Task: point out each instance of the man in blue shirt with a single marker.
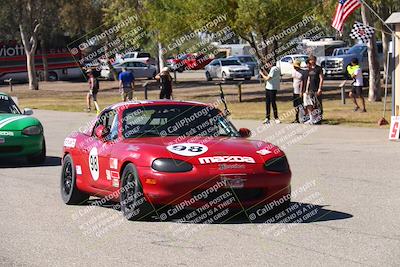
(126, 84)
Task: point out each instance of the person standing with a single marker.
(126, 84)
(315, 83)
(356, 73)
(297, 88)
(165, 83)
(93, 90)
(273, 79)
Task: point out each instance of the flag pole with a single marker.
(377, 15)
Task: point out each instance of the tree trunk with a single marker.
(384, 11)
(45, 63)
(30, 50)
(160, 57)
(30, 64)
(374, 93)
(110, 66)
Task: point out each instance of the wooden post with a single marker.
(239, 85)
(9, 81)
(343, 92)
(145, 85)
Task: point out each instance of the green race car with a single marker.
(20, 135)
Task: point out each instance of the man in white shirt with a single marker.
(272, 85)
(356, 74)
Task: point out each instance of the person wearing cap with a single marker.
(297, 88)
(93, 90)
(126, 84)
(165, 83)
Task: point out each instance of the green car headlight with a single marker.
(32, 130)
(171, 165)
(277, 165)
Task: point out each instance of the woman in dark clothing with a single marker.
(166, 83)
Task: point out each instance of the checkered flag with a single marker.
(361, 32)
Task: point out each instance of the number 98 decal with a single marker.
(187, 149)
(94, 163)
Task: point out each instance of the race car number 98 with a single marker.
(94, 163)
(187, 149)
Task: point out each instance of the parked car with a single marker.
(247, 60)
(337, 65)
(286, 63)
(183, 62)
(227, 69)
(139, 69)
(139, 56)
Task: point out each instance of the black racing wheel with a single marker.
(134, 205)
(70, 194)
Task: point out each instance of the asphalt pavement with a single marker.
(346, 182)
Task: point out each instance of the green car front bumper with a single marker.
(14, 144)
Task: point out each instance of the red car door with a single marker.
(96, 159)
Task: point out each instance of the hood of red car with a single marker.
(203, 150)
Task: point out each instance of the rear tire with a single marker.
(208, 76)
(70, 194)
(39, 158)
(53, 76)
(134, 205)
(247, 78)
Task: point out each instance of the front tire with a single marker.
(223, 75)
(70, 194)
(134, 205)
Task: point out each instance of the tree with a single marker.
(29, 20)
(374, 93)
(384, 8)
(28, 24)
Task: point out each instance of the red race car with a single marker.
(184, 62)
(169, 156)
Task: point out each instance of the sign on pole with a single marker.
(394, 128)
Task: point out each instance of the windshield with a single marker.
(230, 62)
(301, 58)
(7, 105)
(358, 49)
(176, 120)
(247, 59)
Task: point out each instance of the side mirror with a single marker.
(244, 132)
(28, 111)
(101, 132)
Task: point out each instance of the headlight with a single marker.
(32, 130)
(171, 165)
(277, 165)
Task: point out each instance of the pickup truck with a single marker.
(139, 56)
(336, 65)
